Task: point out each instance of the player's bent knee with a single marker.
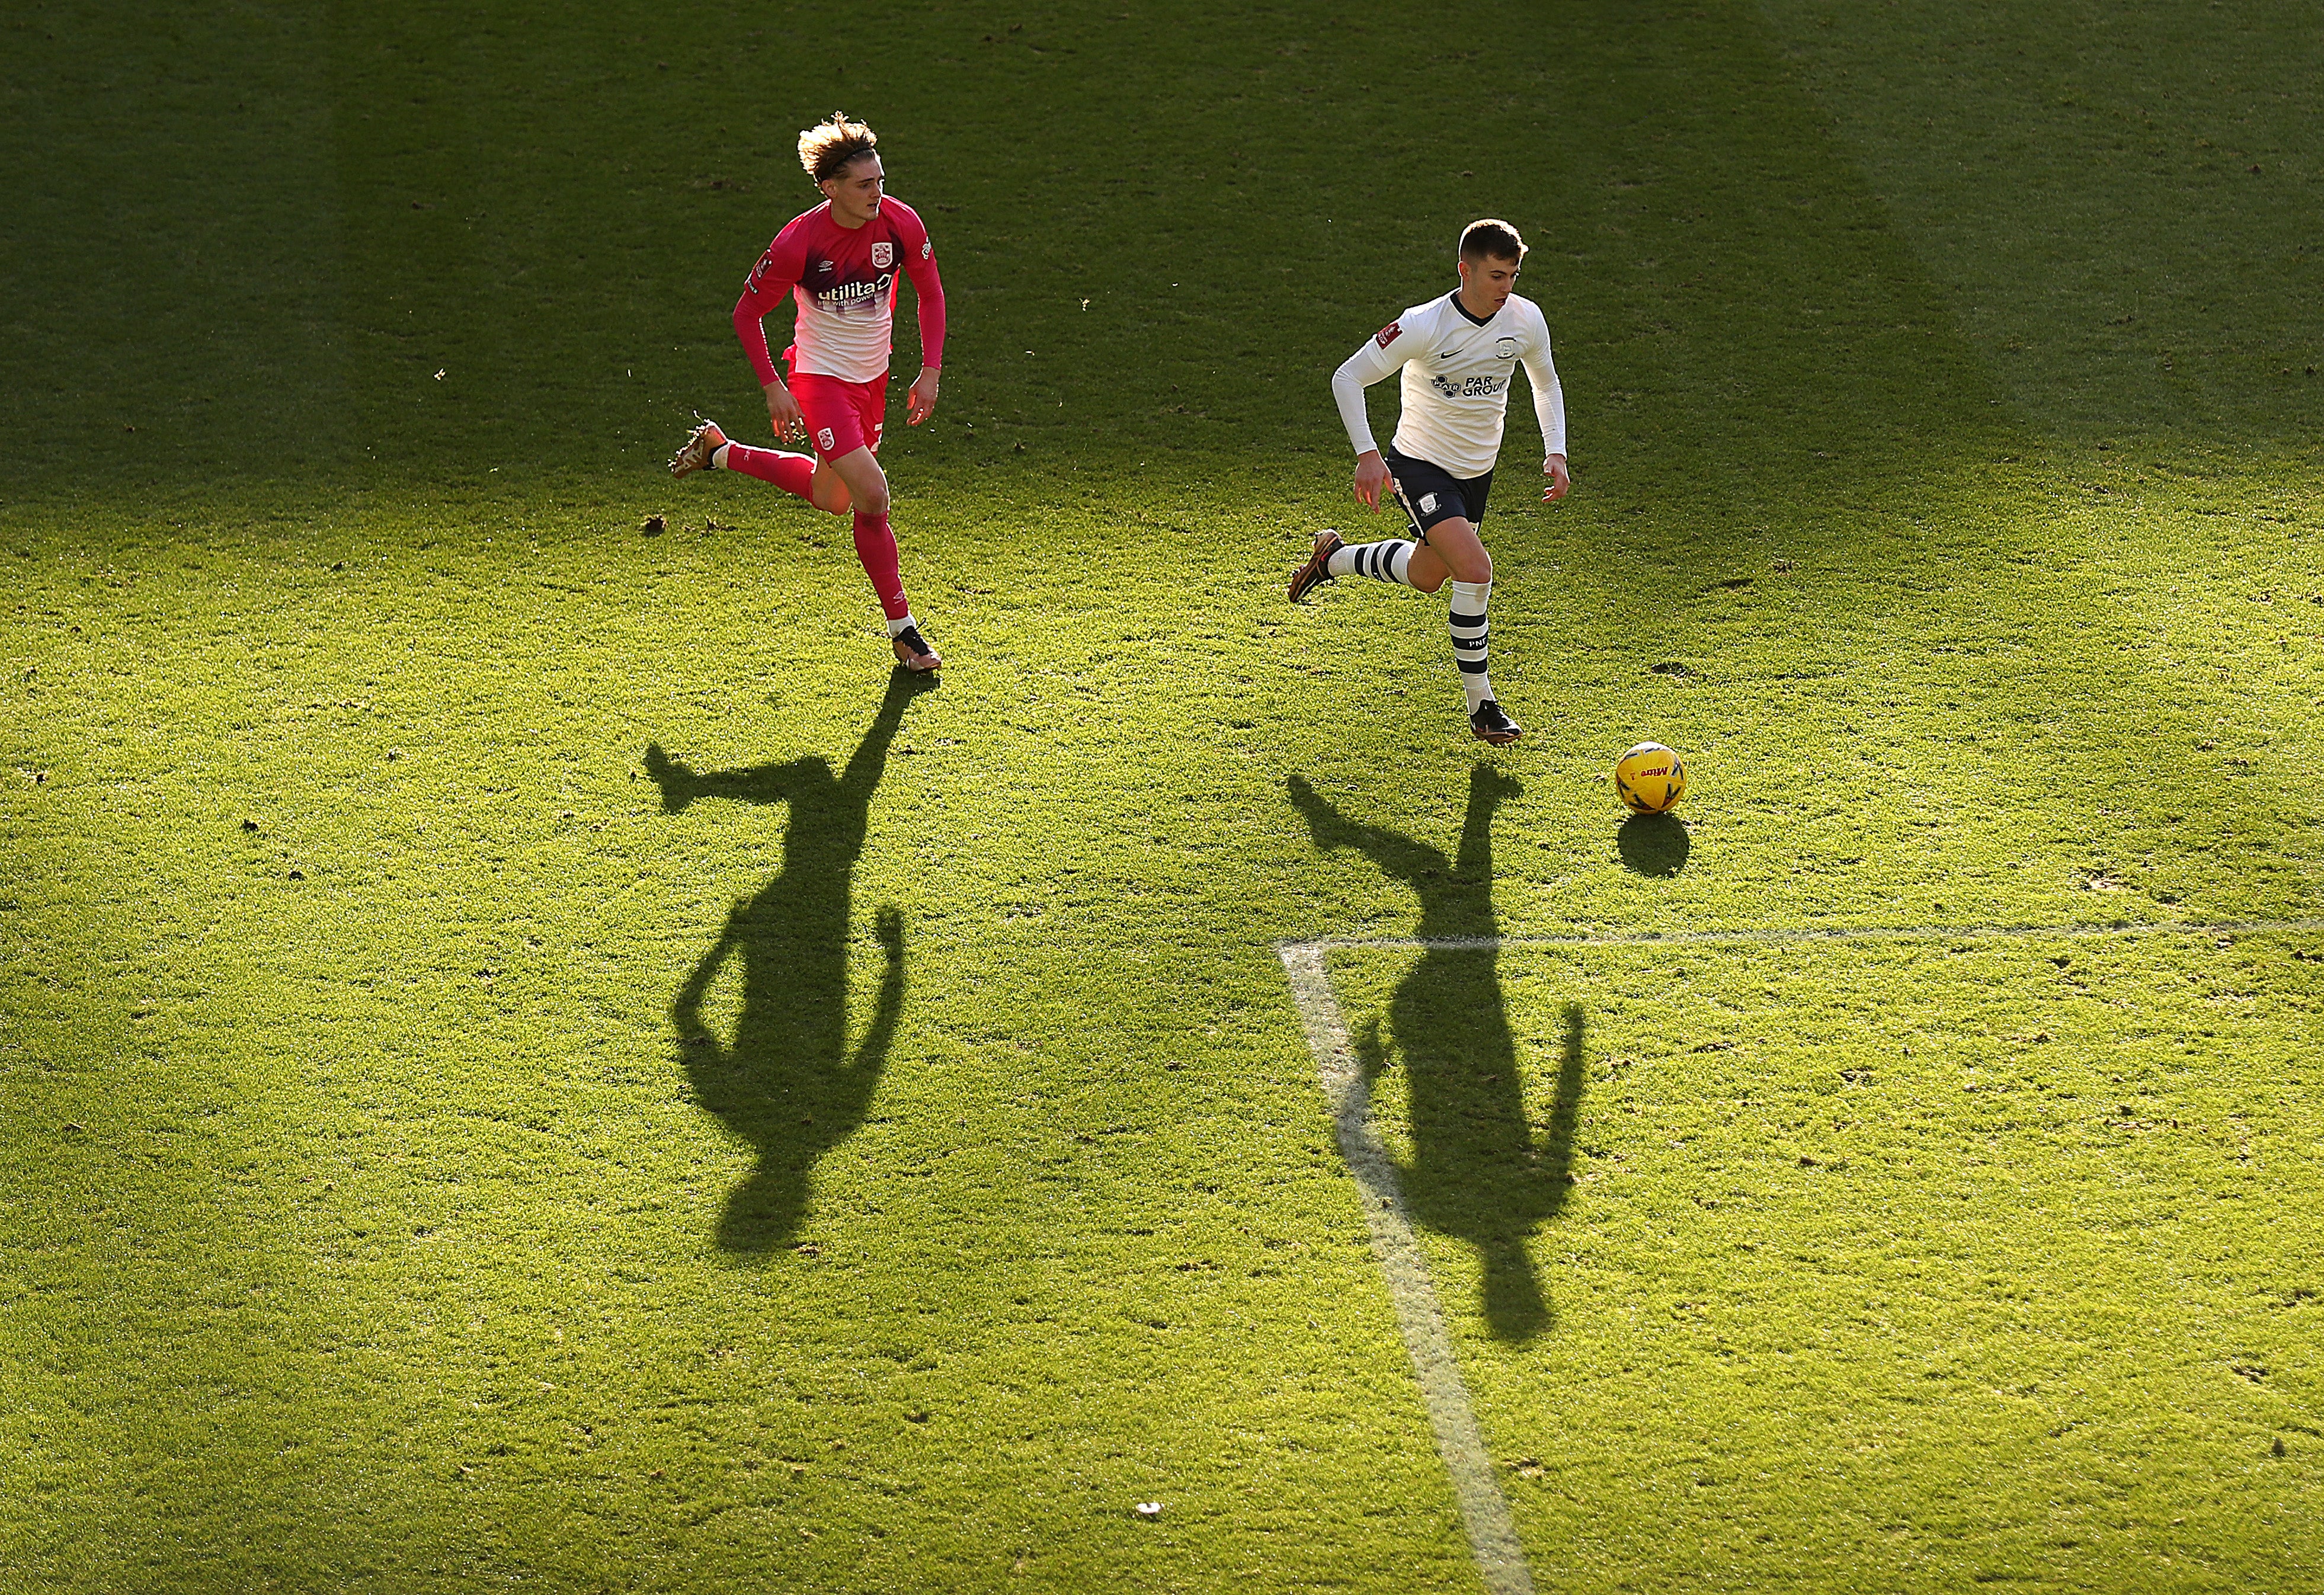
(826, 491)
(1470, 564)
(866, 483)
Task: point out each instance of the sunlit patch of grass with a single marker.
(385, 1212)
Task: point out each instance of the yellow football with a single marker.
(1649, 779)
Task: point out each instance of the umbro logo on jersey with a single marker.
(883, 254)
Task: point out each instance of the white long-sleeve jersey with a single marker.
(1457, 371)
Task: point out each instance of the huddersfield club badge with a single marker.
(883, 254)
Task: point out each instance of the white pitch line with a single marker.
(1795, 936)
(1484, 1510)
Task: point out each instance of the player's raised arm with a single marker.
(1549, 408)
(1376, 358)
(771, 283)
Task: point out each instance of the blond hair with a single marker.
(828, 148)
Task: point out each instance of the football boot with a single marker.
(1318, 568)
(706, 441)
(913, 652)
(1491, 724)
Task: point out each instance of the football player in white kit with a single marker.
(1459, 355)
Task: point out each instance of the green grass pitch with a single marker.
(526, 1060)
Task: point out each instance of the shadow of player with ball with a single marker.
(1478, 1171)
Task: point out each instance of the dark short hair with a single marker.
(1491, 238)
(829, 148)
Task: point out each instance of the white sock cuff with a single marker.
(1471, 597)
(896, 627)
(718, 457)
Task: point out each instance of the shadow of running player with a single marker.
(1477, 1172)
(785, 1080)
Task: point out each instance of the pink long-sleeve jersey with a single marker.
(845, 280)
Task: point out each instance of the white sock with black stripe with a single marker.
(1384, 561)
(1469, 631)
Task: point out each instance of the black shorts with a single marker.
(1435, 494)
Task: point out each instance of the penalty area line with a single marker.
(1484, 1509)
(1791, 935)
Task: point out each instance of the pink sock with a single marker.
(793, 473)
(875, 546)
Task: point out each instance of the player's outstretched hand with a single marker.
(1561, 480)
(783, 412)
(1371, 477)
(921, 403)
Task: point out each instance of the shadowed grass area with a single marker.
(388, 1032)
(557, 217)
(2119, 204)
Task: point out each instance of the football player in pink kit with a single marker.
(843, 261)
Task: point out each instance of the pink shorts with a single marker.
(842, 417)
